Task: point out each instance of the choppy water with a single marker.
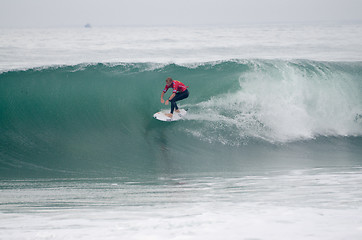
(318, 203)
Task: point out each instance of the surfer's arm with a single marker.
(162, 94)
(172, 96)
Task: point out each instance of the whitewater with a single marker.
(270, 149)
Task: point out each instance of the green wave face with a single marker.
(97, 119)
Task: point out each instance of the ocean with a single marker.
(271, 147)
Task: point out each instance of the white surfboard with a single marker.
(176, 115)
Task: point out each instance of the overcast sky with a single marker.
(58, 13)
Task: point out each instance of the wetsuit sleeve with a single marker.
(166, 88)
(175, 87)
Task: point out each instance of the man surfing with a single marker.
(179, 92)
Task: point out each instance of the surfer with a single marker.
(179, 92)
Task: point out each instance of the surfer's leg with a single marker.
(173, 105)
(178, 97)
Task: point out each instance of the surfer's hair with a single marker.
(168, 79)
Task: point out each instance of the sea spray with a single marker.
(281, 101)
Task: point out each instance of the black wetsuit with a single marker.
(179, 96)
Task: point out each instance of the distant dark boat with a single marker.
(87, 25)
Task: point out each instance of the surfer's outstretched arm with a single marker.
(162, 94)
(172, 96)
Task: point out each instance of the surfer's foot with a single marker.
(169, 115)
(178, 110)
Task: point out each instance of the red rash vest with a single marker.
(177, 87)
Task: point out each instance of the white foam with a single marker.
(316, 204)
(285, 103)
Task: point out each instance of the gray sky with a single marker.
(58, 13)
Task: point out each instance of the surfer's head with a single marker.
(169, 81)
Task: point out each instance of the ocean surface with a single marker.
(271, 147)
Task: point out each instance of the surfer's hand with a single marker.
(166, 102)
(162, 101)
